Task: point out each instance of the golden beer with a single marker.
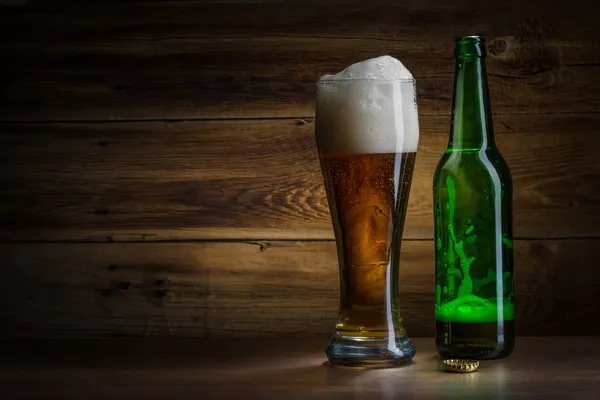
(369, 195)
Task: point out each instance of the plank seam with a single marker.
(239, 119)
(258, 242)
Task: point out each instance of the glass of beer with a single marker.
(367, 135)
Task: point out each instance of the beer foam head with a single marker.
(369, 107)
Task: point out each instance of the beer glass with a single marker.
(367, 135)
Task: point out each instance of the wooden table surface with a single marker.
(549, 368)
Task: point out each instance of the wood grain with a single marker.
(260, 179)
(174, 60)
(255, 289)
(285, 368)
(72, 170)
(12, 3)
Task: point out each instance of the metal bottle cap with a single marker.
(455, 365)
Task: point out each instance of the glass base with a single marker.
(370, 352)
(475, 340)
(479, 353)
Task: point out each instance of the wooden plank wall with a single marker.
(158, 172)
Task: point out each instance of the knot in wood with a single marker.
(497, 47)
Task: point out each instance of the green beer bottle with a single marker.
(472, 199)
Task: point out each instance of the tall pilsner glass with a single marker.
(367, 136)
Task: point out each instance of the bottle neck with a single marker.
(471, 127)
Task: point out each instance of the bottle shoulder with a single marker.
(473, 165)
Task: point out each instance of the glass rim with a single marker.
(346, 80)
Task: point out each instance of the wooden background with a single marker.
(158, 172)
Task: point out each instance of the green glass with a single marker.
(472, 196)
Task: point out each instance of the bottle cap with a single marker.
(456, 365)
